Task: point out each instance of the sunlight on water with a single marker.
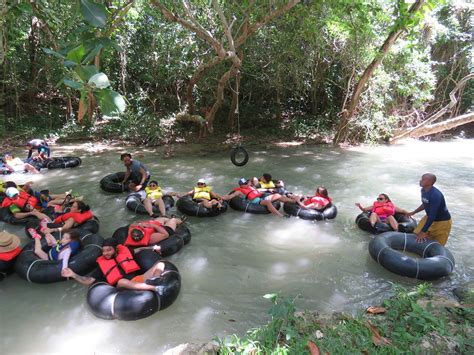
(236, 258)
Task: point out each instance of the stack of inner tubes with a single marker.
(242, 204)
(113, 182)
(109, 302)
(169, 246)
(190, 207)
(134, 203)
(310, 214)
(63, 162)
(435, 260)
(405, 224)
(33, 269)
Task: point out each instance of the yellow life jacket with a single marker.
(202, 192)
(267, 185)
(2, 186)
(154, 194)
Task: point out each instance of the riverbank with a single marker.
(413, 321)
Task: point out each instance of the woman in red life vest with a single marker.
(79, 213)
(382, 210)
(143, 235)
(320, 201)
(118, 268)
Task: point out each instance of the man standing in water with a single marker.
(436, 224)
(136, 171)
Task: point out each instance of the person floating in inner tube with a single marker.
(118, 268)
(136, 172)
(203, 195)
(41, 146)
(18, 165)
(9, 246)
(319, 202)
(63, 249)
(381, 211)
(436, 224)
(78, 214)
(249, 192)
(22, 204)
(154, 196)
(145, 234)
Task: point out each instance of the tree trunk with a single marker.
(33, 44)
(441, 127)
(3, 52)
(349, 111)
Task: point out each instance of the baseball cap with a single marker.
(243, 181)
(201, 181)
(11, 191)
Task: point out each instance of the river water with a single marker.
(236, 258)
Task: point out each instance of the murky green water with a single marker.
(234, 259)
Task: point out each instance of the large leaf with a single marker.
(92, 53)
(85, 72)
(75, 55)
(53, 53)
(73, 84)
(94, 14)
(99, 80)
(111, 102)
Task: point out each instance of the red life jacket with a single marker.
(21, 200)
(78, 217)
(319, 199)
(114, 269)
(383, 209)
(249, 192)
(147, 232)
(10, 255)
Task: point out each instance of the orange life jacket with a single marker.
(10, 255)
(21, 200)
(114, 269)
(383, 209)
(249, 192)
(147, 232)
(78, 217)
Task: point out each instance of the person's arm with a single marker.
(190, 193)
(66, 226)
(142, 181)
(85, 280)
(419, 209)
(214, 195)
(364, 209)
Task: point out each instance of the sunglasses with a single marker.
(380, 198)
(152, 185)
(201, 183)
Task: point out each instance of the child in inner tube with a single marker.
(381, 211)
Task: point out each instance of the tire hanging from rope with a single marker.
(238, 155)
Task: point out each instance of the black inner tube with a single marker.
(239, 156)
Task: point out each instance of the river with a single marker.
(235, 259)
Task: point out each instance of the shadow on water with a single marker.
(234, 259)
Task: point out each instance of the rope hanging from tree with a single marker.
(238, 155)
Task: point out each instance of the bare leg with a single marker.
(148, 206)
(374, 218)
(161, 206)
(38, 251)
(271, 208)
(393, 223)
(31, 168)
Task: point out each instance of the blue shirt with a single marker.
(135, 167)
(435, 207)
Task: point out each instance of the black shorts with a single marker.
(169, 230)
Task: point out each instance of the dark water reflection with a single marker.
(235, 259)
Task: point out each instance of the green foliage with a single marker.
(399, 330)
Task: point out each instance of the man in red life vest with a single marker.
(118, 268)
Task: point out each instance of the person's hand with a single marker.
(421, 237)
(138, 187)
(358, 204)
(67, 272)
(409, 214)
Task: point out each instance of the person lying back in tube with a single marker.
(203, 195)
(78, 214)
(249, 192)
(145, 234)
(22, 204)
(118, 268)
(63, 249)
(319, 202)
(382, 211)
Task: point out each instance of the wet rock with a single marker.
(433, 343)
(438, 302)
(193, 349)
(465, 292)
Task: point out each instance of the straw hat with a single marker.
(8, 242)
